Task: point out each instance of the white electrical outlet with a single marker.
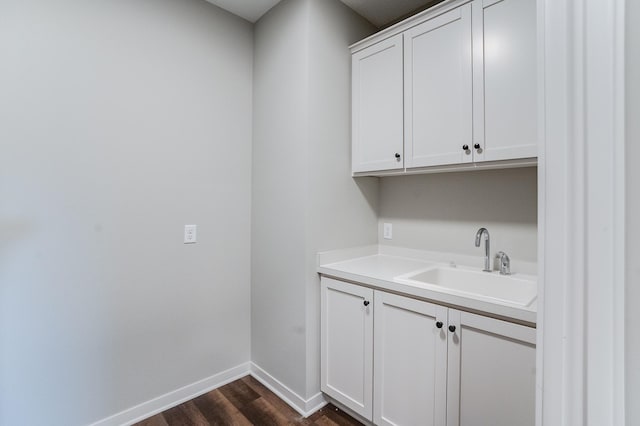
(387, 231)
(190, 234)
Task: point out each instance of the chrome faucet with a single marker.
(504, 262)
(487, 258)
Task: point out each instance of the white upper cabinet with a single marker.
(438, 90)
(505, 79)
(377, 119)
(462, 76)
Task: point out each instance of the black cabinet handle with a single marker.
(465, 147)
(452, 328)
(477, 146)
(439, 324)
(366, 303)
(397, 156)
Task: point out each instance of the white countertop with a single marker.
(380, 266)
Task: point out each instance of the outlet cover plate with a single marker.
(387, 231)
(190, 234)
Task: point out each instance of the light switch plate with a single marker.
(387, 231)
(190, 234)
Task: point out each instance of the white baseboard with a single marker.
(176, 397)
(305, 407)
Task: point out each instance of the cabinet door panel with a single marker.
(410, 362)
(491, 378)
(505, 79)
(438, 90)
(347, 344)
(377, 116)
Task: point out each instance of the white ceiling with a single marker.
(251, 10)
(382, 12)
(378, 12)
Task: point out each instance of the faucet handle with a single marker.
(505, 263)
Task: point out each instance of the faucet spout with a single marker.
(487, 258)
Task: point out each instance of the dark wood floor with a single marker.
(244, 402)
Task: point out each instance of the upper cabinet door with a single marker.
(377, 107)
(438, 90)
(505, 79)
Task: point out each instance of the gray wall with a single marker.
(304, 199)
(120, 122)
(633, 213)
(341, 210)
(442, 212)
(278, 200)
(111, 141)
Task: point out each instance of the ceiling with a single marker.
(378, 12)
(251, 10)
(383, 12)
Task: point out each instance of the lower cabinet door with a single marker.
(491, 377)
(410, 361)
(347, 344)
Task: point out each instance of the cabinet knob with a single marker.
(397, 156)
(452, 328)
(366, 303)
(465, 147)
(477, 146)
(439, 324)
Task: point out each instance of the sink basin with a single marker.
(492, 286)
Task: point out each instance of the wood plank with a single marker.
(157, 420)
(338, 416)
(191, 411)
(175, 416)
(218, 410)
(324, 421)
(260, 412)
(244, 402)
(239, 393)
(273, 399)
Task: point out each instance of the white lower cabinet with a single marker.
(347, 345)
(491, 380)
(395, 360)
(410, 362)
